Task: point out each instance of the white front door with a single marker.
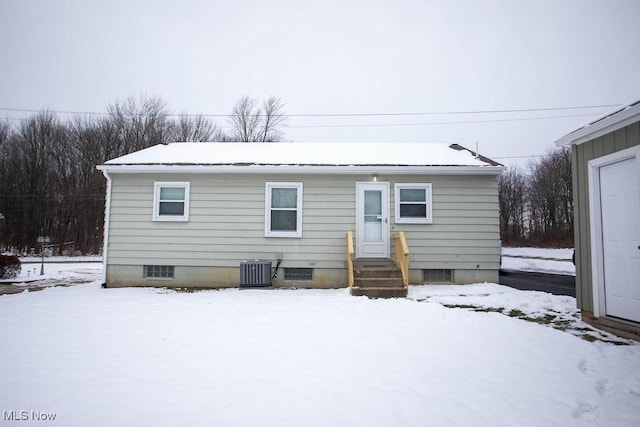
(372, 222)
(620, 207)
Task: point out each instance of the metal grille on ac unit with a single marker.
(255, 273)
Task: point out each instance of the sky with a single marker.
(335, 57)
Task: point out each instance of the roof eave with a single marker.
(298, 169)
(602, 127)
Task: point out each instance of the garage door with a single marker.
(620, 207)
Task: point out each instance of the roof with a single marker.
(296, 157)
(606, 124)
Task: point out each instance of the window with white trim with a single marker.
(413, 203)
(283, 209)
(171, 201)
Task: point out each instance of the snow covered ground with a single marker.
(447, 355)
(540, 260)
(60, 268)
(58, 271)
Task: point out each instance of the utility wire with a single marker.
(431, 113)
(404, 124)
(438, 123)
(435, 113)
(521, 157)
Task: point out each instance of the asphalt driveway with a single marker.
(557, 284)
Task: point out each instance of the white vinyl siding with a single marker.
(283, 209)
(171, 201)
(227, 222)
(413, 203)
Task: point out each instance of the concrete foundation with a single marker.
(229, 277)
(620, 327)
(460, 277)
(215, 277)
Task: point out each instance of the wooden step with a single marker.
(377, 272)
(378, 282)
(382, 292)
(378, 279)
(373, 262)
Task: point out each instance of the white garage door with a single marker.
(620, 206)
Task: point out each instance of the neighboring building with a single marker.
(188, 214)
(606, 188)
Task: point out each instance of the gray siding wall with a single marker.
(619, 140)
(465, 233)
(226, 223)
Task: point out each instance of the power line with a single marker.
(30, 110)
(435, 113)
(515, 119)
(522, 157)
(387, 114)
(440, 123)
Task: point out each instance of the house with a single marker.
(606, 188)
(193, 214)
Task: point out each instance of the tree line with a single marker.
(49, 185)
(536, 203)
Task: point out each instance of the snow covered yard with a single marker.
(232, 357)
(539, 260)
(58, 271)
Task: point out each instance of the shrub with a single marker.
(10, 266)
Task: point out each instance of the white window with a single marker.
(171, 201)
(413, 203)
(283, 209)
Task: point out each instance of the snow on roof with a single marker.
(605, 124)
(298, 153)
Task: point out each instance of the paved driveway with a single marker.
(557, 284)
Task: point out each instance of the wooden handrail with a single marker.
(350, 258)
(402, 256)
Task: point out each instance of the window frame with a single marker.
(269, 186)
(428, 189)
(157, 188)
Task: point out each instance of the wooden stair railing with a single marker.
(350, 259)
(402, 256)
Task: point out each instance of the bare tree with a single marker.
(257, 124)
(195, 129)
(36, 173)
(551, 199)
(140, 122)
(513, 204)
(88, 143)
(536, 206)
(7, 183)
(272, 118)
(5, 137)
(49, 183)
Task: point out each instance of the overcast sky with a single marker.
(335, 56)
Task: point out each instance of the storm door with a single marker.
(372, 222)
